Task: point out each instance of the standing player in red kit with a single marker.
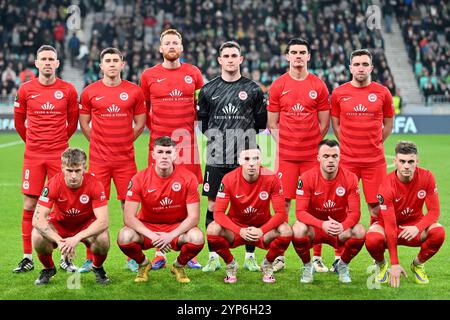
(249, 190)
(111, 105)
(328, 211)
(298, 118)
(49, 106)
(169, 213)
(362, 118)
(80, 214)
(401, 221)
(171, 90)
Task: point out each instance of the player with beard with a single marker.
(170, 91)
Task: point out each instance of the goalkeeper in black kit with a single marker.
(232, 110)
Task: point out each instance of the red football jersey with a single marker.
(401, 204)
(170, 96)
(163, 200)
(298, 102)
(72, 207)
(250, 202)
(112, 110)
(361, 112)
(46, 109)
(319, 198)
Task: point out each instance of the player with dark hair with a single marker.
(298, 117)
(49, 106)
(249, 190)
(110, 107)
(232, 110)
(401, 220)
(327, 210)
(362, 110)
(71, 209)
(171, 90)
(169, 213)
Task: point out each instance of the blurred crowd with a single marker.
(262, 27)
(426, 29)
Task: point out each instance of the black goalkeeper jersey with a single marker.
(231, 114)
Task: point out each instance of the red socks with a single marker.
(188, 251)
(302, 246)
(132, 250)
(221, 246)
(98, 260)
(46, 260)
(277, 247)
(351, 249)
(27, 227)
(375, 245)
(89, 254)
(432, 243)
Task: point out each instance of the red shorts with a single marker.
(120, 174)
(34, 172)
(321, 236)
(371, 177)
(66, 231)
(415, 242)
(289, 172)
(161, 227)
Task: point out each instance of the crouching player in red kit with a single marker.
(249, 189)
(80, 214)
(328, 211)
(402, 222)
(169, 215)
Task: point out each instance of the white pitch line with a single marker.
(9, 144)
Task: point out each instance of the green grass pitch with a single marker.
(433, 149)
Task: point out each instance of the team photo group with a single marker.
(66, 189)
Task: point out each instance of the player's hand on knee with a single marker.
(409, 232)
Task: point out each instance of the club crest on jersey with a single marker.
(313, 94)
(206, 187)
(26, 185)
(243, 95)
(372, 97)
(263, 195)
(102, 196)
(340, 191)
(188, 79)
(421, 194)
(176, 186)
(59, 95)
(123, 96)
(84, 198)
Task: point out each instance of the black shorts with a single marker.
(212, 179)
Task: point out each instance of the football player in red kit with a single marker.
(171, 90)
(298, 117)
(249, 190)
(169, 214)
(72, 208)
(110, 107)
(49, 106)
(362, 110)
(401, 220)
(328, 211)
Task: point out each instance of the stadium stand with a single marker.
(426, 30)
